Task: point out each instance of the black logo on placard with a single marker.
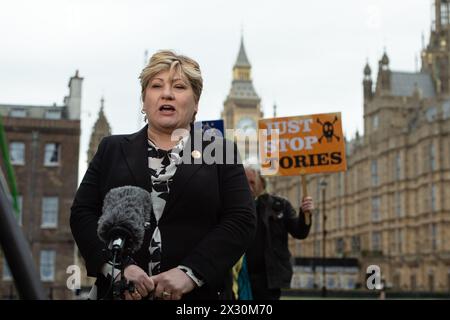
(328, 130)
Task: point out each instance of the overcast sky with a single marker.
(307, 56)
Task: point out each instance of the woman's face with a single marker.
(169, 102)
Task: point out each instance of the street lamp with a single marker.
(323, 186)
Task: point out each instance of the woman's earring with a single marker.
(145, 117)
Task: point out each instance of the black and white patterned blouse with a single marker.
(162, 165)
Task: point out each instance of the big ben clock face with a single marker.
(247, 124)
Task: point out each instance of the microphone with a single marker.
(126, 211)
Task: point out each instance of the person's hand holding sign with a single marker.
(307, 208)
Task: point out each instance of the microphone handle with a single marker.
(117, 244)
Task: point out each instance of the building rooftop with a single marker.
(403, 84)
(28, 111)
(243, 89)
(242, 60)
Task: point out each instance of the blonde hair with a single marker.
(168, 60)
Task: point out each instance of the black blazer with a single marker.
(207, 224)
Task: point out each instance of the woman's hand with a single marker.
(143, 283)
(172, 284)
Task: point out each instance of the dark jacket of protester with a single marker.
(207, 223)
(269, 256)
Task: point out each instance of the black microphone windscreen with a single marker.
(125, 211)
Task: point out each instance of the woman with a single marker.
(203, 216)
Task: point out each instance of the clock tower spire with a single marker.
(242, 101)
(242, 107)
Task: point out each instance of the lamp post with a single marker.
(323, 186)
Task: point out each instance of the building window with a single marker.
(431, 281)
(376, 241)
(432, 157)
(376, 216)
(355, 216)
(351, 283)
(396, 280)
(317, 222)
(446, 109)
(425, 159)
(374, 172)
(310, 282)
(431, 114)
(53, 114)
(359, 179)
(52, 154)
(397, 166)
(340, 184)
(356, 244)
(340, 246)
(339, 217)
(18, 113)
(433, 231)
(298, 248)
(398, 204)
(375, 122)
(330, 282)
(17, 153)
(7, 275)
(444, 13)
(47, 265)
(317, 248)
(433, 197)
(49, 212)
(413, 282)
(417, 242)
(399, 240)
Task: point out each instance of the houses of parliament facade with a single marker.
(391, 208)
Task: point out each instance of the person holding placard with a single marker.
(268, 257)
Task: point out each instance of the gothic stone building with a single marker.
(391, 208)
(44, 145)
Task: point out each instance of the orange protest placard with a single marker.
(305, 144)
